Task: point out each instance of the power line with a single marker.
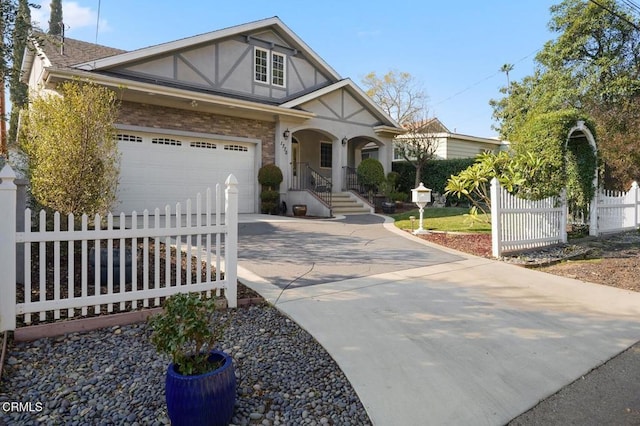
(614, 13)
(477, 83)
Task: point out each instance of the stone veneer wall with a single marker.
(178, 119)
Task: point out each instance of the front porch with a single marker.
(321, 172)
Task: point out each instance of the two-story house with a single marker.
(197, 109)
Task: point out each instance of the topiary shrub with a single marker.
(370, 174)
(270, 176)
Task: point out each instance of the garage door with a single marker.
(158, 170)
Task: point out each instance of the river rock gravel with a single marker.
(115, 376)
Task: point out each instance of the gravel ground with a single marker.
(115, 376)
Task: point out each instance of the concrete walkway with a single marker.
(432, 336)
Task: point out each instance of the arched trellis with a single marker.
(582, 131)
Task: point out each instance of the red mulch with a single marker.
(476, 244)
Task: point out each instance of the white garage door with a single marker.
(158, 170)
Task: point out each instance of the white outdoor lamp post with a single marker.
(420, 196)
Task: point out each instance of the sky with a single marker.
(454, 49)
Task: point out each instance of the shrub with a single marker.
(434, 174)
(370, 173)
(270, 176)
(269, 201)
(186, 331)
(72, 155)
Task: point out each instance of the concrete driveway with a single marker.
(432, 336)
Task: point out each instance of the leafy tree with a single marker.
(516, 173)
(55, 19)
(593, 67)
(18, 91)
(69, 140)
(404, 100)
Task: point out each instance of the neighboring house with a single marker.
(197, 109)
(451, 145)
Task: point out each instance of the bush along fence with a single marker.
(73, 269)
(518, 224)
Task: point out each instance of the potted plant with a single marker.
(270, 177)
(200, 386)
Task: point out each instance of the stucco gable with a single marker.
(223, 62)
(343, 100)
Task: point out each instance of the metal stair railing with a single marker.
(309, 179)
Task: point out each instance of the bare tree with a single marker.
(404, 99)
(419, 144)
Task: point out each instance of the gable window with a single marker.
(277, 69)
(326, 155)
(269, 67)
(261, 65)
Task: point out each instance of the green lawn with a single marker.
(452, 219)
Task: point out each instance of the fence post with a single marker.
(8, 194)
(564, 215)
(496, 248)
(636, 209)
(231, 240)
(593, 214)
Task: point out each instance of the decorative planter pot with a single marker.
(205, 399)
(299, 209)
(388, 207)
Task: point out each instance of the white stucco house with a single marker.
(197, 109)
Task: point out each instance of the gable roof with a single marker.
(354, 90)
(89, 60)
(67, 54)
(273, 23)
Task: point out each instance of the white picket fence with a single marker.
(519, 224)
(205, 242)
(618, 210)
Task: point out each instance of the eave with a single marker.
(180, 98)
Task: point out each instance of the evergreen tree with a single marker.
(55, 20)
(8, 10)
(18, 91)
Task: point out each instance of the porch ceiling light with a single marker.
(345, 140)
(286, 134)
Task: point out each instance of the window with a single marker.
(269, 67)
(326, 155)
(277, 69)
(239, 148)
(261, 62)
(129, 138)
(207, 145)
(166, 141)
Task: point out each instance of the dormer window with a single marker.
(269, 67)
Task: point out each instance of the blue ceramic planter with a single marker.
(205, 399)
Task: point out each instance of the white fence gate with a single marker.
(194, 238)
(518, 224)
(617, 210)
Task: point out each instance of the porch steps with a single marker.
(342, 203)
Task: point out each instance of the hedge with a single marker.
(434, 174)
